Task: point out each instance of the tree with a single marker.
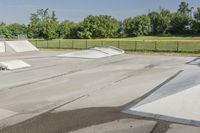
(179, 23)
(43, 25)
(137, 26)
(154, 17)
(196, 21)
(129, 25)
(160, 21)
(101, 26)
(66, 29)
(164, 21)
(17, 29)
(183, 8)
(196, 26)
(2, 24)
(121, 30)
(4, 30)
(197, 14)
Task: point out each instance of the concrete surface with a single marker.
(59, 95)
(120, 126)
(175, 128)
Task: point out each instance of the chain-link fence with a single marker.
(129, 45)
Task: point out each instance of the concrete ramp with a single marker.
(19, 46)
(2, 47)
(110, 50)
(94, 53)
(6, 113)
(195, 62)
(14, 64)
(183, 107)
(176, 101)
(90, 54)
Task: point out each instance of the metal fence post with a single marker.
(86, 44)
(177, 43)
(59, 43)
(101, 42)
(155, 45)
(135, 45)
(47, 44)
(36, 43)
(72, 44)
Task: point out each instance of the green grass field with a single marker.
(147, 43)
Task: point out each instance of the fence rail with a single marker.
(128, 45)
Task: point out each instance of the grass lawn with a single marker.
(146, 43)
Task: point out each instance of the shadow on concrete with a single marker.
(63, 122)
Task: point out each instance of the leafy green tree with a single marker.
(43, 25)
(196, 21)
(2, 24)
(17, 29)
(154, 17)
(196, 26)
(121, 30)
(4, 30)
(66, 29)
(183, 8)
(101, 26)
(197, 14)
(35, 27)
(137, 26)
(180, 23)
(164, 20)
(160, 21)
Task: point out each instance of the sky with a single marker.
(75, 10)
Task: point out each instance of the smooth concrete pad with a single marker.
(176, 128)
(120, 126)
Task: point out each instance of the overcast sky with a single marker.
(75, 10)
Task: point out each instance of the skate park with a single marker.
(98, 89)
